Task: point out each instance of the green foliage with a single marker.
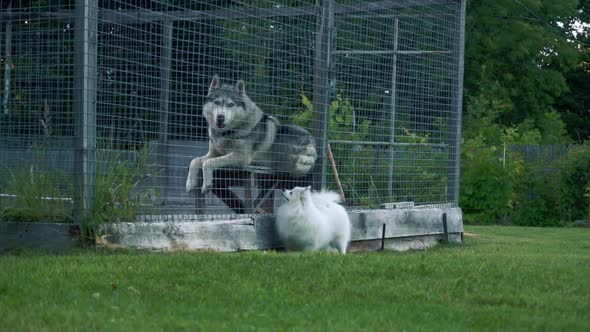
(364, 168)
(524, 69)
(488, 179)
(551, 189)
(38, 196)
(419, 164)
(553, 128)
(544, 189)
(483, 111)
(522, 56)
(342, 122)
(574, 104)
(537, 195)
(497, 184)
(575, 181)
(121, 187)
(355, 171)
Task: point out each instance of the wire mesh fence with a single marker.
(106, 104)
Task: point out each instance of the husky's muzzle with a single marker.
(220, 121)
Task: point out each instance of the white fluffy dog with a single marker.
(312, 221)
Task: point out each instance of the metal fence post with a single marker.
(321, 87)
(454, 161)
(7, 64)
(84, 106)
(165, 70)
(393, 109)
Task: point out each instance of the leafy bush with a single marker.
(488, 180)
(537, 203)
(342, 124)
(546, 189)
(575, 181)
(499, 184)
(353, 161)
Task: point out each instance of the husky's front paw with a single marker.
(207, 185)
(191, 184)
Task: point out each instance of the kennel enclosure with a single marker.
(101, 101)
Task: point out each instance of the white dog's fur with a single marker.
(312, 221)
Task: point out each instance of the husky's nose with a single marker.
(220, 120)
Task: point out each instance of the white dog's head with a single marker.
(296, 194)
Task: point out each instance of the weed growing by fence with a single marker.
(34, 194)
(121, 187)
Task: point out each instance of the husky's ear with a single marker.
(241, 87)
(215, 84)
(308, 188)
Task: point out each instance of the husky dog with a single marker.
(240, 134)
(312, 221)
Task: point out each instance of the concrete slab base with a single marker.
(387, 229)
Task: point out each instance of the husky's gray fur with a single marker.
(240, 134)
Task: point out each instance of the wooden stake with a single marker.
(335, 172)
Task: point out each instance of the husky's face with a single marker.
(296, 193)
(224, 104)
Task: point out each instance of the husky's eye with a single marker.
(217, 102)
(231, 105)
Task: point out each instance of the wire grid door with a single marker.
(370, 91)
(36, 117)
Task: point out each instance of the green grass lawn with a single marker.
(502, 278)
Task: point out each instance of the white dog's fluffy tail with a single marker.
(324, 198)
(335, 217)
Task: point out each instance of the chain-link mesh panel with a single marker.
(361, 97)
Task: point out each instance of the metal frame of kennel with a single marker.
(87, 17)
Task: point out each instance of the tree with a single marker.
(518, 50)
(575, 104)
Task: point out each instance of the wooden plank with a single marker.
(45, 236)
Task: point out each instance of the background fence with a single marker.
(101, 100)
